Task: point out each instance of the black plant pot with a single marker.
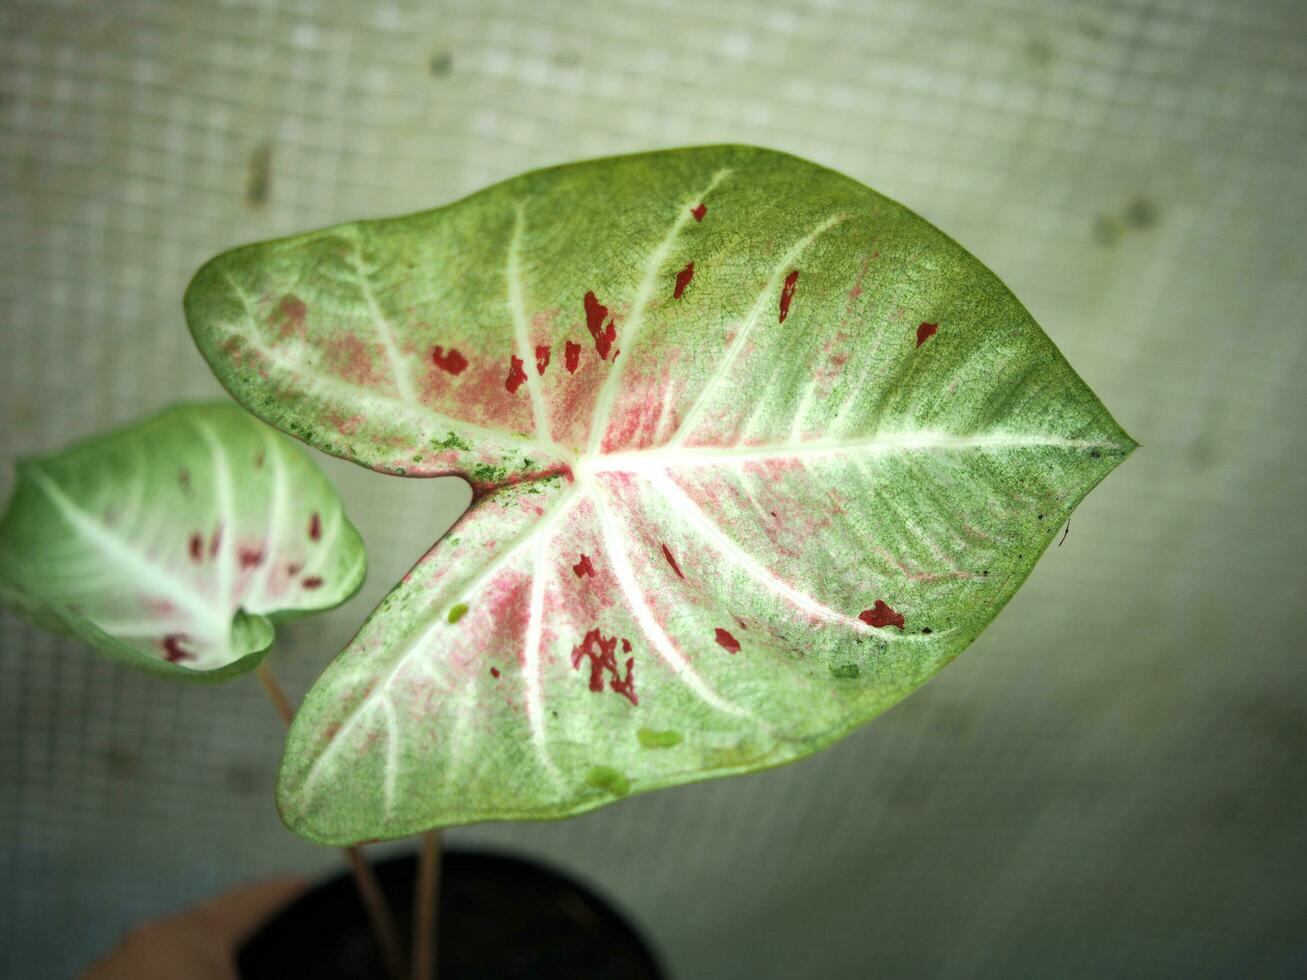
(501, 918)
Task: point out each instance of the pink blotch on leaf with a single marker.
(699, 211)
(345, 425)
(250, 557)
(516, 376)
(671, 560)
(215, 542)
(452, 361)
(157, 606)
(682, 280)
(348, 355)
(726, 641)
(572, 357)
(542, 358)
(197, 546)
(315, 527)
(584, 567)
(880, 615)
(925, 332)
(787, 293)
(290, 316)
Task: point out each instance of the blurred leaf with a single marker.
(175, 544)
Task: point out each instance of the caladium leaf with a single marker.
(756, 451)
(174, 545)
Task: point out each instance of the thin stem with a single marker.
(374, 902)
(425, 918)
(370, 893)
(275, 694)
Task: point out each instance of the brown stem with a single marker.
(374, 900)
(425, 917)
(275, 694)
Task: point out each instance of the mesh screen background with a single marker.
(1109, 783)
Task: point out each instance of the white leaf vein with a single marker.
(385, 330)
(659, 640)
(367, 399)
(603, 409)
(521, 329)
(756, 570)
(531, 658)
(727, 361)
(123, 554)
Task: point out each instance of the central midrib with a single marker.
(663, 459)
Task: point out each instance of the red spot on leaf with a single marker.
(184, 480)
(197, 546)
(925, 332)
(604, 341)
(682, 280)
(250, 557)
(604, 335)
(602, 652)
(312, 582)
(595, 313)
(293, 568)
(726, 641)
(315, 527)
(542, 358)
(584, 567)
(572, 357)
(494, 672)
(516, 376)
(699, 211)
(787, 293)
(215, 542)
(626, 645)
(671, 560)
(173, 651)
(452, 362)
(626, 686)
(880, 615)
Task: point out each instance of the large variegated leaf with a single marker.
(756, 451)
(174, 545)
